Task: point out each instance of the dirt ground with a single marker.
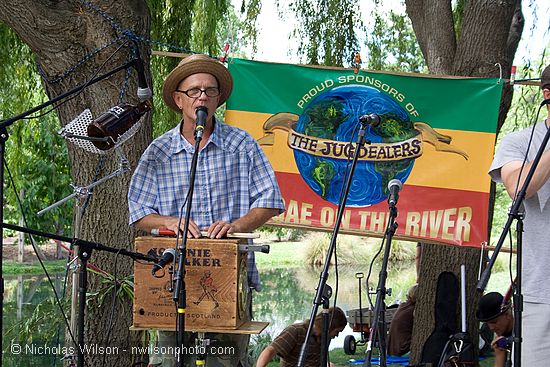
(9, 251)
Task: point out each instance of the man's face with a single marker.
(188, 105)
(334, 333)
(501, 325)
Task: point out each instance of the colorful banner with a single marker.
(436, 135)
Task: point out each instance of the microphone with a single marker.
(202, 114)
(167, 257)
(394, 186)
(370, 119)
(545, 102)
(144, 92)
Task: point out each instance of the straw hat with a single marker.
(194, 64)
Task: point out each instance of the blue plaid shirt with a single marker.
(233, 176)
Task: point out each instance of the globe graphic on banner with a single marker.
(334, 115)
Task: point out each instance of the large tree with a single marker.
(61, 34)
(473, 41)
(475, 38)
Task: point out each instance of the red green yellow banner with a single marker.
(436, 135)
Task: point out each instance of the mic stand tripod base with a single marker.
(325, 339)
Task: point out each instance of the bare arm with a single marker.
(500, 354)
(266, 356)
(511, 171)
(247, 223)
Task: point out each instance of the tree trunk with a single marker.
(436, 259)
(488, 37)
(62, 33)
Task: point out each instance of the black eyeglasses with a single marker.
(196, 92)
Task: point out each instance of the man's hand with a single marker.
(172, 223)
(500, 342)
(220, 229)
(155, 221)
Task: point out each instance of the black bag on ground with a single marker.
(458, 351)
(446, 300)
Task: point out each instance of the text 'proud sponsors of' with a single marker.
(357, 79)
(451, 224)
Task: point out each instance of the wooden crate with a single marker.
(216, 286)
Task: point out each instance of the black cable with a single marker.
(372, 264)
(113, 304)
(55, 107)
(33, 244)
(182, 208)
(65, 281)
(102, 158)
(179, 225)
(176, 260)
(341, 198)
(349, 160)
(510, 263)
(98, 168)
(335, 254)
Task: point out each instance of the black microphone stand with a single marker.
(84, 253)
(361, 141)
(135, 63)
(378, 329)
(515, 214)
(179, 278)
(325, 340)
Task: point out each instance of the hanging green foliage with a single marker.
(330, 30)
(392, 44)
(458, 15)
(327, 30)
(207, 15)
(249, 28)
(190, 26)
(170, 24)
(35, 154)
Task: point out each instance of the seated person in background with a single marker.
(497, 313)
(401, 326)
(289, 343)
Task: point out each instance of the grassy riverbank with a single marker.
(14, 268)
(341, 359)
(292, 258)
